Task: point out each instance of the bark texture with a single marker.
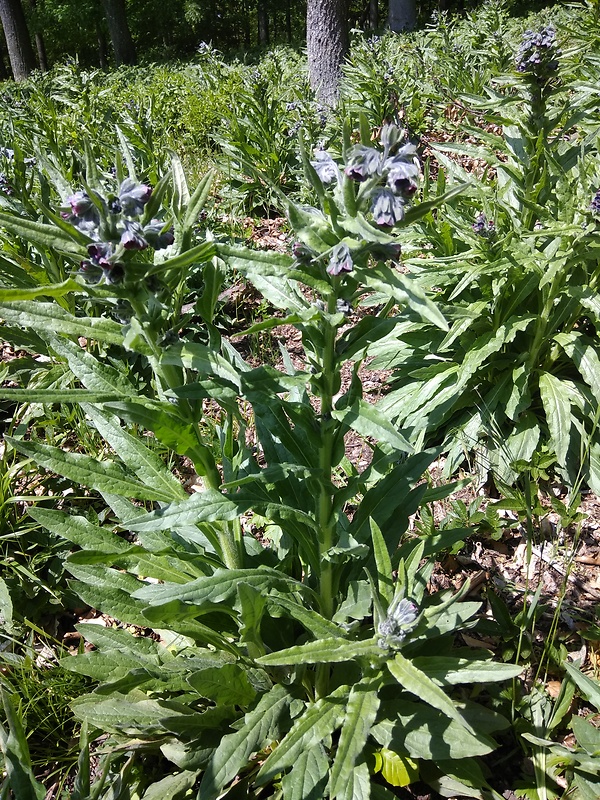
(403, 15)
(327, 45)
(18, 43)
(118, 29)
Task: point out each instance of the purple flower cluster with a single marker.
(393, 172)
(538, 54)
(113, 226)
(595, 204)
(394, 627)
(484, 227)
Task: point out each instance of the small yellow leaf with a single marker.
(398, 770)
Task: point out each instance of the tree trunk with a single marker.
(40, 45)
(373, 14)
(118, 29)
(327, 45)
(20, 51)
(403, 15)
(263, 23)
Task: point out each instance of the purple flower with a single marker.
(595, 204)
(386, 207)
(393, 628)
(363, 162)
(325, 167)
(484, 227)
(340, 260)
(80, 203)
(156, 236)
(538, 54)
(133, 197)
(100, 253)
(301, 252)
(132, 237)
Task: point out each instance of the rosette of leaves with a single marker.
(295, 645)
(514, 262)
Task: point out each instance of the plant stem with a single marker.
(324, 510)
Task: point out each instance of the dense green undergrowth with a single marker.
(269, 627)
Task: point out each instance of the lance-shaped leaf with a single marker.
(404, 290)
(17, 760)
(323, 651)
(104, 476)
(308, 778)
(79, 530)
(208, 506)
(361, 711)
(261, 728)
(319, 721)
(31, 293)
(92, 373)
(556, 399)
(51, 318)
(585, 356)
(367, 420)
(48, 236)
(218, 587)
(450, 670)
(136, 456)
(415, 681)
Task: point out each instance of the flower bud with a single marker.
(156, 236)
(133, 197)
(325, 167)
(387, 208)
(340, 260)
(363, 163)
(132, 237)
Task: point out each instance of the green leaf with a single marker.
(48, 236)
(208, 506)
(146, 464)
(318, 722)
(383, 563)
(556, 399)
(6, 608)
(51, 318)
(218, 587)
(581, 350)
(588, 687)
(17, 761)
(93, 374)
(318, 626)
(361, 710)
(418, 683)
(397, 770)
(366, 419)
(404, 289)
(424, 732)
(226, 685)
(260, 729)
(307, 779)
(55, 290)
(104, 476)
(79, 530)
(359, 784)
(449, 670)
(322, 651)
(173, 787)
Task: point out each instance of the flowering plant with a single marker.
(281, 627)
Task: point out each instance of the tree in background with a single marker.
(18, 42)
(118, 29)
(402, 15)
(327, 44)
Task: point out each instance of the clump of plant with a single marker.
(309, 659)
(514, 265)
